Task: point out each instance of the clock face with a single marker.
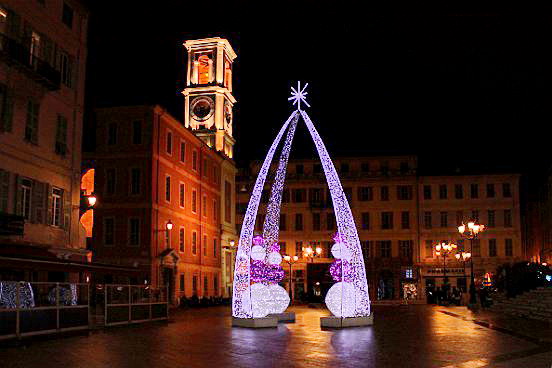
(202, 108)
(227, 113)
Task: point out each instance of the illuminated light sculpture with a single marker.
(8, 298)
(347, 298)
(341, 267)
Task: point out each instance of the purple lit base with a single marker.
(338, 322)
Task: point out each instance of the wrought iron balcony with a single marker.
(16, 54)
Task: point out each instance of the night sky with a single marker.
(455, 85)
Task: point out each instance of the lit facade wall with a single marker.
(538, 221)
(42, 113)
(386, 197)
(175, 161)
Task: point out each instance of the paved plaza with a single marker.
(402, 336)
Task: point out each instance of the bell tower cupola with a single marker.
(209, 103)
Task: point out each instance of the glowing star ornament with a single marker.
(299, 95)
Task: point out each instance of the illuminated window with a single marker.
(168, 188)
(194, 243)
(182, 152)
(182, 282)
(182, 193)
(169, 143)
(408, 273)
(204, 69)
(227, 74)
(181, 239)
(57, 195)
(215, 244)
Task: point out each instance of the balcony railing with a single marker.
(17, 54)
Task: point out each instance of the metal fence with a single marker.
(126, 304)
(38, 308)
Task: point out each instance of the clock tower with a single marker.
(208, 107)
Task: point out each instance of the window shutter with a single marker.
(4, 190)
(18, 204)
(7, 112)
(66, 209)
(48, 204)
(38, 203)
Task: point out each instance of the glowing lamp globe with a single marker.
(340, 251)
(260, 297)
(258, 253)
(274, 258)
(341, 298)
(278, 298)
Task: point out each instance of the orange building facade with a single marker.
(151, 172)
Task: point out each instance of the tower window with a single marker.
(205, 66)
(227, 74)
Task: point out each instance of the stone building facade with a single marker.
(42, 77)
(400, 216)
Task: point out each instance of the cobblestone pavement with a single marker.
(402, 336)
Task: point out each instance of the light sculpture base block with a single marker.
(286, 317)
(264, 322)
(338, 322)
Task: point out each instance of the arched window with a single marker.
(227, 75)
(204, 66)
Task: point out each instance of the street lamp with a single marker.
(169, 225)
(290, 261)
(310, 253)
(92, 199)
(463, 257)
(444, 249)
(470, 231)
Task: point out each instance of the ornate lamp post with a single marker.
(290, 261)
(310, 253)
(470, 231)
(464, 257)
(444, 249)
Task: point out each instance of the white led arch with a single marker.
(346, 298)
